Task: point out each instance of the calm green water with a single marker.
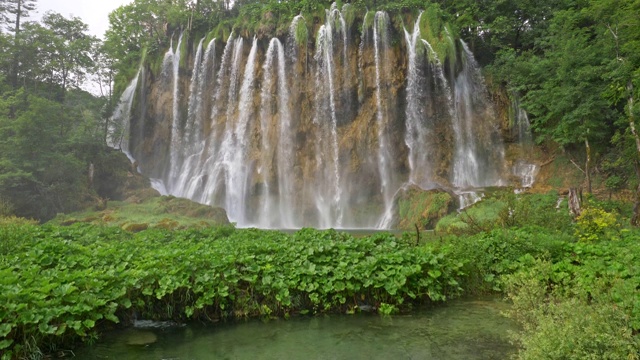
(464, 329)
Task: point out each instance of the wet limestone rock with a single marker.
(415, 206)
(137, 337)
(186, 207)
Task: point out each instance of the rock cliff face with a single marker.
(322, 133)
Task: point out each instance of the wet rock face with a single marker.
(326, 145)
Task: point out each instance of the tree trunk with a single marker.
(635, 218)
(574, 202)
(587, 166)
(16, 46)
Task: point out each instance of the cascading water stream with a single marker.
(237, 143)
(466, 169)
(268, 202)
(194, 87)
(472, 166)
(173, 58)
(523, 169)
(381, 47)
(189, 178)
(283, 203)
(120, 122)
(327, 197)
(285, 146)
(521, 125)
(227, 185)
(210, 155)
(361, 47)
(416, 127)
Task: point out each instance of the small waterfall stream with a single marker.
(472, 163)
(120, 121)
(172, 62)
(328, 196)
(282, 202)
(381, 25)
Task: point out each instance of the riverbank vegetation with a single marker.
(574, 286)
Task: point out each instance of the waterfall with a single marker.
(210, 183)
(228, 184)
(474, 165)
(194, 93)
(526, 172)
(381, 47)
(416, 124)
(276, 137)
(361, 47)
(328, 196)
(172, 58)
(281, 204)
(521, 124)
(218, 98)
(235, 144)
(285, 146)
(120, 122)
(523, 169)
(193, 140)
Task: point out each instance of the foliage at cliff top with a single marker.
(150, 25)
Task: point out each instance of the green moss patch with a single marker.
(166, 212)
(422, 208)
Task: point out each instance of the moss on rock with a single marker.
(424, 208)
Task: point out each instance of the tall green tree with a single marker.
(620, 36)
(562, 86)
(14, 13)
(68, 55)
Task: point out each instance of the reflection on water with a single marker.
(464, 329)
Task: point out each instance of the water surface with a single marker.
(462, 329)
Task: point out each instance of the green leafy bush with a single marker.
(584, 306)
(488, 256)
(63, 283)
(508, 210)
(6, 208)
(595, 223)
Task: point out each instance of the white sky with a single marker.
(94, 13)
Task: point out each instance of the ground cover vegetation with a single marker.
(574, 286)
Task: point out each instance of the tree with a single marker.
(562, 86)
(14, 12)
(620, 36)
(68, 55)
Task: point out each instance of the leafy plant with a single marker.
(594, 224)
(583, 305)
(62, 283)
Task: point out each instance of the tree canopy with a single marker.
(50, 129)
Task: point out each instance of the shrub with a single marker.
(6, 208)
(595, 223)
(584, 306)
